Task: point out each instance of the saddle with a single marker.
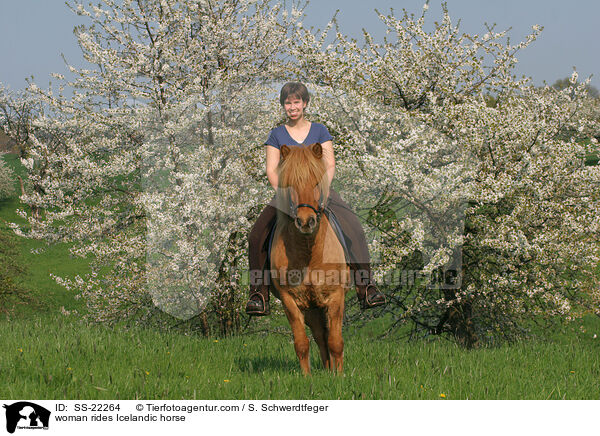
(337, 229)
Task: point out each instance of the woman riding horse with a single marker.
(298, 131)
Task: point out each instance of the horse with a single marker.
(308, 265)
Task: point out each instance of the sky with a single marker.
(34, 33)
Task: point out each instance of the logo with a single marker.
(26, 415)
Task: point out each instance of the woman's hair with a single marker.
(294, 89)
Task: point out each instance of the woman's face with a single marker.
(294, 107)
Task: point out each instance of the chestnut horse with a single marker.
(308, 265)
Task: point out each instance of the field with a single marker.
(49, 356)
(53, 358)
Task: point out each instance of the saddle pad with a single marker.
(337, 229)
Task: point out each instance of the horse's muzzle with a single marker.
(306, 226)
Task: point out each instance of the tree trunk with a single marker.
(458, 320)
(22, 187)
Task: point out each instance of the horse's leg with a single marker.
(335, 342)
(296, 320)
(317, 321)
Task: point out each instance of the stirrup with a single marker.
(266, 310)
(379, 299)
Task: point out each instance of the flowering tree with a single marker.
(471, 181)
(7, 181)
(155, 162)
(16, 112)
(465, 170)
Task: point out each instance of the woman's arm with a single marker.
(272, 162)
(329, 157)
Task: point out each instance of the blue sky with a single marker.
(34, 33)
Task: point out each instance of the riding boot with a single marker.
(258, 303)
(258, 260)
(367, 293)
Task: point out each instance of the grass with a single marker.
(48, 356)
(59, 358)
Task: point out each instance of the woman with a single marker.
(298, 131)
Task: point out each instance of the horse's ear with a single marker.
(317, 149)
(284, 151)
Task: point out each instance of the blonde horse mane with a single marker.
(299, 167)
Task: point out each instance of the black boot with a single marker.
(258, 303)
(368, 296)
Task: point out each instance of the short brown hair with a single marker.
(294, 89)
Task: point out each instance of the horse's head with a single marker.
(303, 185)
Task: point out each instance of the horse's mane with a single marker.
(300, 168)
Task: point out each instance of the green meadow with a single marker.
(46, 355)
(52, 358)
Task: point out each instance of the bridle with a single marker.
(294, 208)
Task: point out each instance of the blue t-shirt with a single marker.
(279, 136)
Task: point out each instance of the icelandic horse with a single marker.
(308, 265)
